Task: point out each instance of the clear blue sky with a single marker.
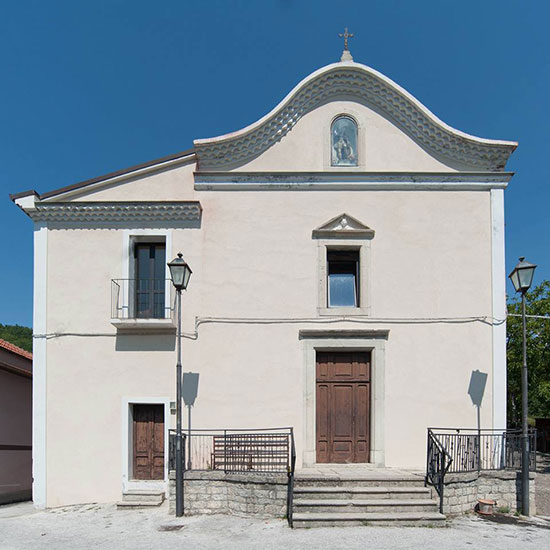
(89, 87)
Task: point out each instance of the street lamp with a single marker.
(521, 278)
(180, 273)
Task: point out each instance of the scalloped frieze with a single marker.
(360, 83)
(115, 212)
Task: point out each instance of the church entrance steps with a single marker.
(416, 519)
(141, 499)
(358, 483)
(353, 495)
(361, 493)
(365, 505)
(351, 479)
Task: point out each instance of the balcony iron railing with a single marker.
(142, 299)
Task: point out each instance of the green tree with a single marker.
(537, 302)
(18, 335)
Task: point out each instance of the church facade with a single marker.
(348, 277)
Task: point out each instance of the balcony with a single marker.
(142, 304)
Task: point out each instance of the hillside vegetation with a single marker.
(18, 335)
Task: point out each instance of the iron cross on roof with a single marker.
(345, 36)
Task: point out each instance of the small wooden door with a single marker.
(343, 407)
(148, 441)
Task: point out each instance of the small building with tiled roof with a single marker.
(15, 423)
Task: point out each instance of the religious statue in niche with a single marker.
(344, 142)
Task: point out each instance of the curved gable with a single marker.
(356, 82)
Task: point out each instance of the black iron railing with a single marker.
(437, 465)
(265, 451)
(290, 488)
(470, 450)
(172, 450)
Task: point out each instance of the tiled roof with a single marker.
(15, 349)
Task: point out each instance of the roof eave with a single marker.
(19, 198)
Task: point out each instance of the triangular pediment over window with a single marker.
(343, 226)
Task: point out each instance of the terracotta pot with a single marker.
(485, 506)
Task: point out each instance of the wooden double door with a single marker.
(343, 406)
(148, 435)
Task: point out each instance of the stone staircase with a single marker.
(358, 498)
(144, 498)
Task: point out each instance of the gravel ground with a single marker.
(542, 484)
(101, 527)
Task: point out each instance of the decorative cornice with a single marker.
(343, 333)
(355, 176)
(115, 211)
(357, 82)
(344, 181)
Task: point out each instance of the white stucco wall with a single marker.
(254, 257)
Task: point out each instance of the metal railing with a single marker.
(437, 465)
(471, 450)
(141, 299)
(172, 450)
(290, 489)
(266, 451)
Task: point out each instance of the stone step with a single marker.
(143, 495)
(138, 504)
(361, 492)
(419, 519)
(357, 481)
(364, 505)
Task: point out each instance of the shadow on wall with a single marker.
(476, 389)
(145, 342)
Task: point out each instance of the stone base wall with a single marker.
(462, 491)
(260, 495)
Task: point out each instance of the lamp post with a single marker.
(522, 277)
(180, 273)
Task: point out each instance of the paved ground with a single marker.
(104, 527)
(542, 484)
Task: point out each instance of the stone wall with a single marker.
(462, 491)
(212, 492)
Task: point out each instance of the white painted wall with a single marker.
(499, 308)
(254, 257)
(39, 381)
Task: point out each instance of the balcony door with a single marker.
(150, 282)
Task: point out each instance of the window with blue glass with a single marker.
(343, 277)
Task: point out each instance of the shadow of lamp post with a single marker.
(180, 273)
(522, 277)
(476, 389)
(190, 391)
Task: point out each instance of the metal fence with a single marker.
(469, 450)
(473, 450)
(261, 450)
(141, 299)
(266, 451)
